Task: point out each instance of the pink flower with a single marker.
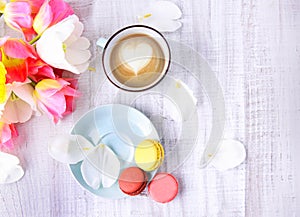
(55, 97)
(7, 132)
(19, 104)
(50, 13)
(14, 54)
(17, 15)
(34, 4)
(32, 17)
(39, 70)
(21, 61)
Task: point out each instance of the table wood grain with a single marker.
(253, 47)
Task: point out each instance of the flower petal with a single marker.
(56, 40)
(25, 92)
(2, 6)
(76, 32)
(17, 15)
(54, 106)
(50, 49)
(166, 9)
(10, 171)
(8, 90)
(47, 88)
(17, 70)
(90, 173)
(231, 153)
(82, 43)
(69, 149)
(17, 111)
(77, 69)
(60, 9)
(7, 132)
(162, 15)
(16, 48)
(2, 83)
(101, 166)
(34, 4)
(52, 97)
(77, 57)
(2, 93)
(3, 41)
(39, 70)
(43, 19)
(50, 45)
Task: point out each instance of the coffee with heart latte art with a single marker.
(137, 60)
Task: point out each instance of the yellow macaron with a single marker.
(149, 155)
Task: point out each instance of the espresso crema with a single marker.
(137, 60)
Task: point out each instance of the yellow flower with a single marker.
(2, 6)
(2, 83)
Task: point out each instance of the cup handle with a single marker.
(101, 42)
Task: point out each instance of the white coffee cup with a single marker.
(109, 44)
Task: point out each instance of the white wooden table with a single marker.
(253, 47)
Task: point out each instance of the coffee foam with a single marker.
(137, 60)
(135, 54)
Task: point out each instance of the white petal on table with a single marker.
(90, 173)
(101, 166)
(167, 9)
(70, 149)
(162, 15)
(10, 170)
(231, 153)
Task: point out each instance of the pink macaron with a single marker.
(133, 181)
(163, 188)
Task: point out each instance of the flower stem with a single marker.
(34, 40)
(14, 96)
(33, 83)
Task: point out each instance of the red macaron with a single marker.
(133, 181)
(163, 188)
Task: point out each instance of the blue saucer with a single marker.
(121, 128)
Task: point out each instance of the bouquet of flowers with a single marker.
(34, 67)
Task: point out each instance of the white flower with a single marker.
(163, 16)
(100, 164)
(231, 153)
(62, 46)
(19, 104)
(10, 170)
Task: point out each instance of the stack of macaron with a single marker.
(149, 155)
(133, 181)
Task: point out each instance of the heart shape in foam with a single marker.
(136, 55)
